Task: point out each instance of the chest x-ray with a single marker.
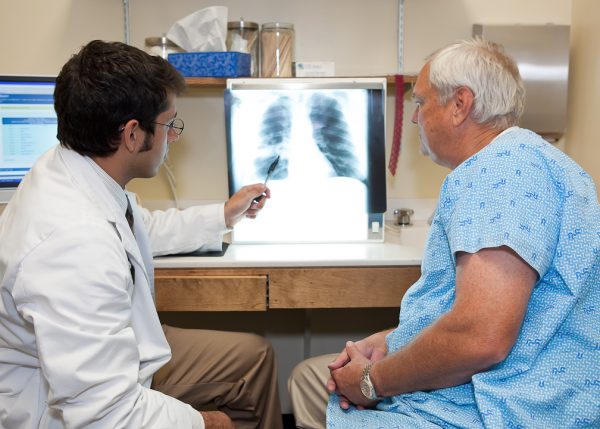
(327, 186)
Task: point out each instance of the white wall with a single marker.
(39, 36)
(583, 143)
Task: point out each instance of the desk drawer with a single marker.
(334, 287)
(211, 292)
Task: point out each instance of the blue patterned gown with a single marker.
(520, 192)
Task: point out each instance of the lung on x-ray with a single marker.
(329, 135)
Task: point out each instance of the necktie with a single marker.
(129, 217)
(129, 214)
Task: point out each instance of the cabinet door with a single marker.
(198, 292)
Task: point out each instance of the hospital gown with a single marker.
(520, 192)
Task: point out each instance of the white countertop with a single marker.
(402, 246)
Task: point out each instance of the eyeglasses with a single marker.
(175, 124)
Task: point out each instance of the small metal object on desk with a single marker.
(403, 216)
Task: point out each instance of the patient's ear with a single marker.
(462, 104)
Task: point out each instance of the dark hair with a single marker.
(105, 85)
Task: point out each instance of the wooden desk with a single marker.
(263, 277)
(260, 289)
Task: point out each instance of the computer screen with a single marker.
(27, 126)
(329, 134)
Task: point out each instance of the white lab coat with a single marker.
(79, 342)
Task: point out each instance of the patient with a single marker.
(501, 330)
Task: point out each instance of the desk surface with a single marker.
(402, 246)
(263, 276)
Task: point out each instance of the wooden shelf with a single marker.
(206, 82)
(219, 82)
(408, 79)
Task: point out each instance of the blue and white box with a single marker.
(211, 64)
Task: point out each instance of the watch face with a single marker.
(365, 389)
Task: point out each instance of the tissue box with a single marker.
(211, 64)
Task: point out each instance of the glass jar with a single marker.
(242, 36)
(276, 49)
(161, 46)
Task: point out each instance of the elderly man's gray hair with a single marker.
(489, 72)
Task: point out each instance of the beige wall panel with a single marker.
(583, 143)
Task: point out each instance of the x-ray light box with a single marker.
(329, 133)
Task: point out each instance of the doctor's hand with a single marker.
(243, 204)
(216, 420)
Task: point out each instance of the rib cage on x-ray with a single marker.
(329, 131)
(275, 133)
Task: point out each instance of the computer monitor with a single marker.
(27, 126)
(329, 134)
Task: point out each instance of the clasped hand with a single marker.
(346, 370)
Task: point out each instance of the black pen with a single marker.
(269, 171)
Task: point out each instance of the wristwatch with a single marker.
(366, 385)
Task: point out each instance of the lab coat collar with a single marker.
(96, 189)
(112, 186)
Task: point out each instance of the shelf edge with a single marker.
(220, 82)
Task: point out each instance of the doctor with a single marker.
(81, 345)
